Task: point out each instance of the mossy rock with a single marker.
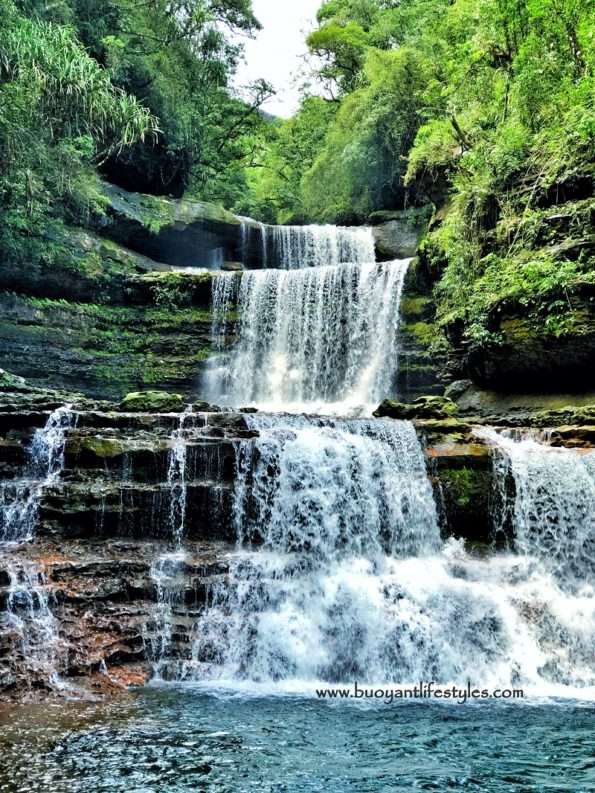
(424, 407)
(152, 402)
(10, 381)
(171, 289)
(204, 407)
(181, 233)
(104, 448)
(567, 415)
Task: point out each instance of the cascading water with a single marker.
(340, 573)
(248, 229)
(19, 501)
(291, 247)
(176, 478)
(318, 246)
(553, 511)
(28, 612)
(167, 575)
(29, 616)
(343, 499)
(310, 336)
(167, 570)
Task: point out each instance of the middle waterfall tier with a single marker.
(309, 337)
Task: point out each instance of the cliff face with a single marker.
(517, 304)
(103, 317)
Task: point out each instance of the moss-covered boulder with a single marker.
(10, 382)
(425, 407)
(152, 402)
(171, 289)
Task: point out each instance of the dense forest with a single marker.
(483, 108)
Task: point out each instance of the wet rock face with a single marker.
(82, 594)
(102, 597)
(421, 364)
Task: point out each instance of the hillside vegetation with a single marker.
(484, 109)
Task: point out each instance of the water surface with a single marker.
(183, 739)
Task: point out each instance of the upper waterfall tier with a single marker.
(292, 247)
(310, 337)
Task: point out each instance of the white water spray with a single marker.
(20, 500)
(29, 616)
(308, 337)
(340, 575)
(553, 511)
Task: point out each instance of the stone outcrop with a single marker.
(421, 360)
(103, 350)
(178, 232)
(425, 407)
(530, 358)
(89, 269)
(397, 234)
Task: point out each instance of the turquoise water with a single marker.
(187, 740)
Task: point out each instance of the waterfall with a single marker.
(344, 488)
(29, 616)
(176, 478)
(318, 246)
(167, 570)
(340, 574)
(292, 247)
(553, 511)
(343, 499)
(318, 335)
(19, 501)
(167, 573)
(28, 613)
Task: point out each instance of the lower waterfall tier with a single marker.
(274, 552)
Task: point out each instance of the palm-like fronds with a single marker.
(74, 94)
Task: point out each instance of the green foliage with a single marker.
(137, 92)
(177, 57)
(287, 151)
(361, 165)
(512, 134)
(59, 113)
